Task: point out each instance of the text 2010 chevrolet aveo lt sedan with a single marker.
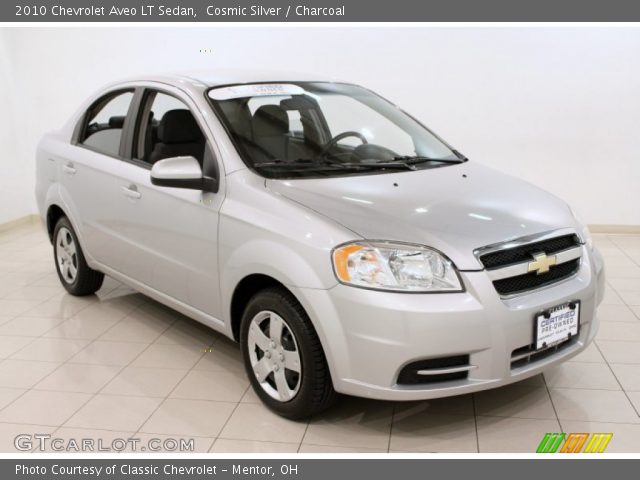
(345, 246)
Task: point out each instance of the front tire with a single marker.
(74, 273)
(283, 356)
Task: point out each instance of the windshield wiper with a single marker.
(460, 155)
(381, 165)
(325, 164)
(416, 159)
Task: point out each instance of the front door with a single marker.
(171, 233)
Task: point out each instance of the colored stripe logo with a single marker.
(550, 442)
(574, 442)
(598, 442)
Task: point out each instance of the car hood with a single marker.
(455, 208)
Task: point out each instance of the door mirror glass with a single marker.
(181, 172)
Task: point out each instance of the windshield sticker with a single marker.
(256, 90)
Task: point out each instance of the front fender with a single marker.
(275, 260)
(270, 258)
(267, 257)
(264, 232)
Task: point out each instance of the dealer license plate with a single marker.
(557, 324)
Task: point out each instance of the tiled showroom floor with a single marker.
(119, 365)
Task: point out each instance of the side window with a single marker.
(167, 128)
(103, 130)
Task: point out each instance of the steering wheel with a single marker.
(333, 142)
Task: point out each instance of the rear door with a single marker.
(87, 174)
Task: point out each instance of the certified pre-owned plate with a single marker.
(557, 324)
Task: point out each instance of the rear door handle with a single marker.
(69, 169)
(131, 192)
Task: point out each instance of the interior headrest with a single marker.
(117, 121)
(270, 120)
(178, 126)
(298, 102)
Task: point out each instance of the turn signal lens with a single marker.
(395, 267)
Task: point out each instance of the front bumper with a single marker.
(369, 336)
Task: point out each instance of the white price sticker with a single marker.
(255, 90)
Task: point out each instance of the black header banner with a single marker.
(319, 11)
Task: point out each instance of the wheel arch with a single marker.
(244, 291)
(54, 213)
(315, 303)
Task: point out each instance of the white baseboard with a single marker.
(619, 229)
(594, 228)
(19, 222)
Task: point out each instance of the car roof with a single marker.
(218, 77)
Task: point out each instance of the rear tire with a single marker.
(74, 273)
(283, 356)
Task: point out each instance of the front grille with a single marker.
(526, 355)
(529, 281)
(409, 374)
(524, 253)
(508, 265)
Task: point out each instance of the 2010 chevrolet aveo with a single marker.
(345, 246)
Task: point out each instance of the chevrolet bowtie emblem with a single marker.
(541, 263)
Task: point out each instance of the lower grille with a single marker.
(524, 356)
(530, 281)
(435, 370)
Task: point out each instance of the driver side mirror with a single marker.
(182, 172)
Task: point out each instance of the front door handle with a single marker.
(131, 192)
(69, 169)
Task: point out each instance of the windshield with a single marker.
(289, 130)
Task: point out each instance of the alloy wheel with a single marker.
(66, 255)
(274, 356)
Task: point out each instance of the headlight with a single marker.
(395, 267)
